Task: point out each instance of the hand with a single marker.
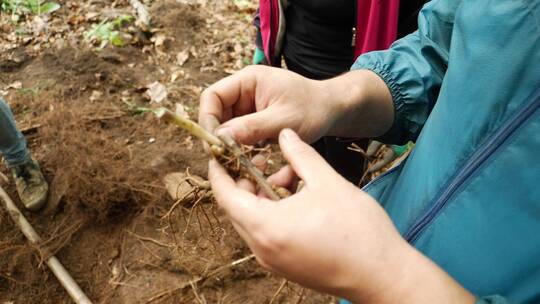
(330, 236)
(258, 102)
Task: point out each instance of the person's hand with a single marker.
(330, 236)
(258, 102)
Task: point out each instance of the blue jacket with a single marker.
(466, 88)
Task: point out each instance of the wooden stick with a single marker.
(56, 267)
(202, 278)
(278, 291)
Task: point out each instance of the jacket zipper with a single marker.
(475, 161)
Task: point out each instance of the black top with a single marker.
(318, 39)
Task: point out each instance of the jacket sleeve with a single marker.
(414, 68)
(492, 300)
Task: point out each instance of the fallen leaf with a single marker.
(181, 186)
(96, 95)
(38, 25)
(157, 92)
(159, 41)
(182, 57)
(15, 85)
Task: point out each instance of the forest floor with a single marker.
(109, 218)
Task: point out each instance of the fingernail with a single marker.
(289, 135)
(224, 131)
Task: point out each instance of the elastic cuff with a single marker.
(393, 135)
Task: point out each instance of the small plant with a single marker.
(109, 31)
(25, 7)
(226, 151)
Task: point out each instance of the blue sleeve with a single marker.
(492, 300)
(414, 68)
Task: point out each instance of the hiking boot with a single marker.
(31, 185)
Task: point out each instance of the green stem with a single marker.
(185, 123)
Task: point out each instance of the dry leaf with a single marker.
(15, 85)
(182, 57)
(96, 95)
(38, 25)
(179, 185)
(159, 41)
(157, 92)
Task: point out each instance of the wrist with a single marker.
(362, 104)
(410, 277)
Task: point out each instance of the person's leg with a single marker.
(29, 181)
(12, 142)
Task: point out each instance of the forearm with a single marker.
(364, 104)
(412, 278)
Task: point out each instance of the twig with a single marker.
(301, 297)
(201, 278)
(56, 267)
(354, 147)
(278, 291)
(30, 129)
(151, 240)
(197, 297)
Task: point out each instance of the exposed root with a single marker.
(197, 280)
(278, 291)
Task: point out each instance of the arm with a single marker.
(258, 102)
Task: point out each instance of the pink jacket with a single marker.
(376, 26)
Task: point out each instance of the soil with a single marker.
(109, 218)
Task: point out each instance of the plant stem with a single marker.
(188, 125)
(224, 141)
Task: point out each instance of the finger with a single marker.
(251, 128)
(236, 91)
(245, 184)
(259, 161)
(243, 207)
(285, 177)
(304, 160)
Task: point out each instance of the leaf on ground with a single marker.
(157, 92)
(96, 95)
(182, 57)
(14, 85)
(179, 185)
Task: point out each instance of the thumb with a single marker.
(251, 128)
(304, 160)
